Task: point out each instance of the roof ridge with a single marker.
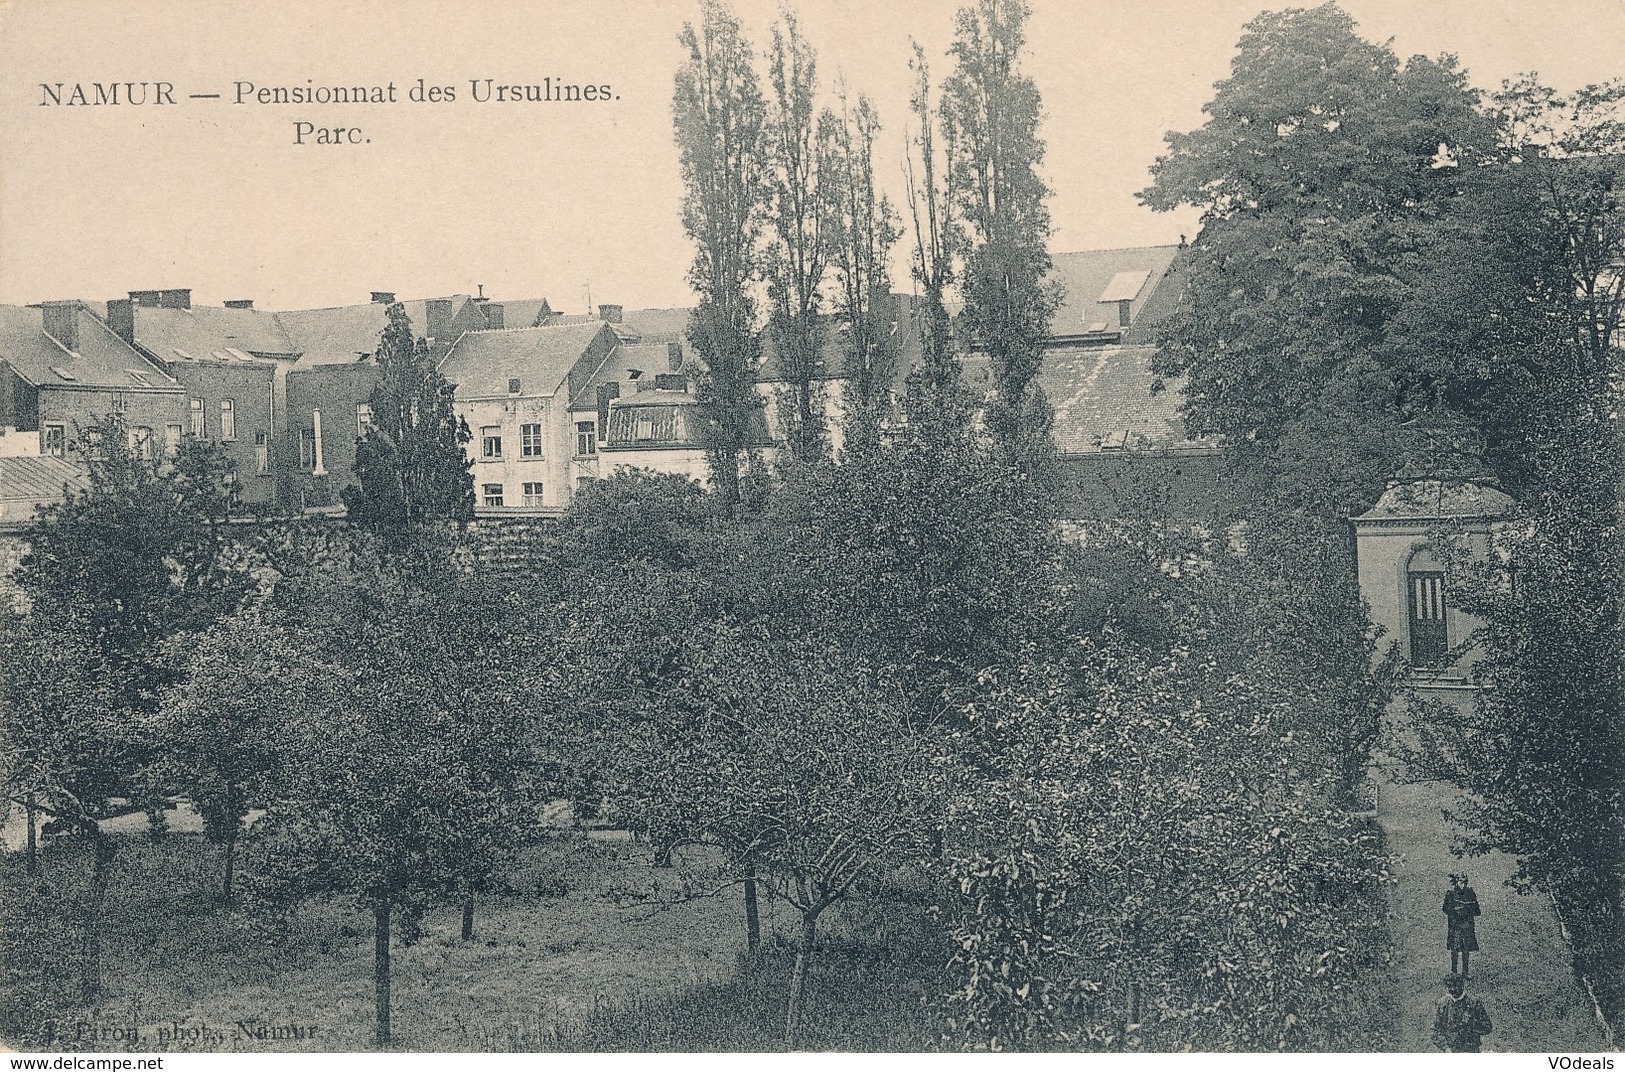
(1113, 249)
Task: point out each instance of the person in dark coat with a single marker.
(1459, 1022)
(1461, 937)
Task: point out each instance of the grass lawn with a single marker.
(571, 956)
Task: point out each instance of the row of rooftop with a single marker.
(552, 399)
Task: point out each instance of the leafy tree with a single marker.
(801, 217)
(990, 112)
(926, 556)
(720, 115)
(1541, 746)
(136, 556)
(1320, 202)
(410, 463)
(1145, 864)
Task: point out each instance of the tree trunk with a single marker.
(468, 915)
(102, 850)
(231, 864)
(380, 965)
(33, 837)
(798, 977)
(753, 922)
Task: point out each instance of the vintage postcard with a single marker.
(729, 525)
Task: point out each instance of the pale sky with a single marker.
(545, 200)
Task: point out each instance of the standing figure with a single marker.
(1461, 937)
(1459, 1022)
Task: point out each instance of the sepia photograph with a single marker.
(811, 526)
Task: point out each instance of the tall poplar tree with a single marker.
(801, 212)
(866, 231)
(935, 403)
(991, 111)
(719, 115)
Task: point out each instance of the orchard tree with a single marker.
(410, 463)
(70, 750)
(405, 792)
(720, 117)
(808, 766)
(115, 574)
(990, 112)
(228, 725)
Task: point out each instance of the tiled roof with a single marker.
(208, 332)
(659, 325)
(343, 334)
(520, 313)
(1103, 399)
(651, 358)
(103, 359)
(1093, 281)
(482, 362)
(1431, 499)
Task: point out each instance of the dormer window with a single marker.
(513, 385)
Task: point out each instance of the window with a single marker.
(644, 428)
(513, 385)
(141, 442)
(1429, 638)
(363, 419)
(493, 494)
(172, 439)
(197, 418)
(586, 437)
(54, 443)
(530, 440)
(491, 441)
(307, 448)
(228, 419)
(121, 402)
(533, 493)
(262, 454)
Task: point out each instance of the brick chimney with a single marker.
(610, 314)
(437, 321)
(148, 298)
(121, 318)
(175, 299)
(383, 297)
(61, 320)
(493, 314)
(674, 355)
(240, 303)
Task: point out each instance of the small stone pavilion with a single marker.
(1407, 587)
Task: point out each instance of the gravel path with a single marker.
(1522, 969)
